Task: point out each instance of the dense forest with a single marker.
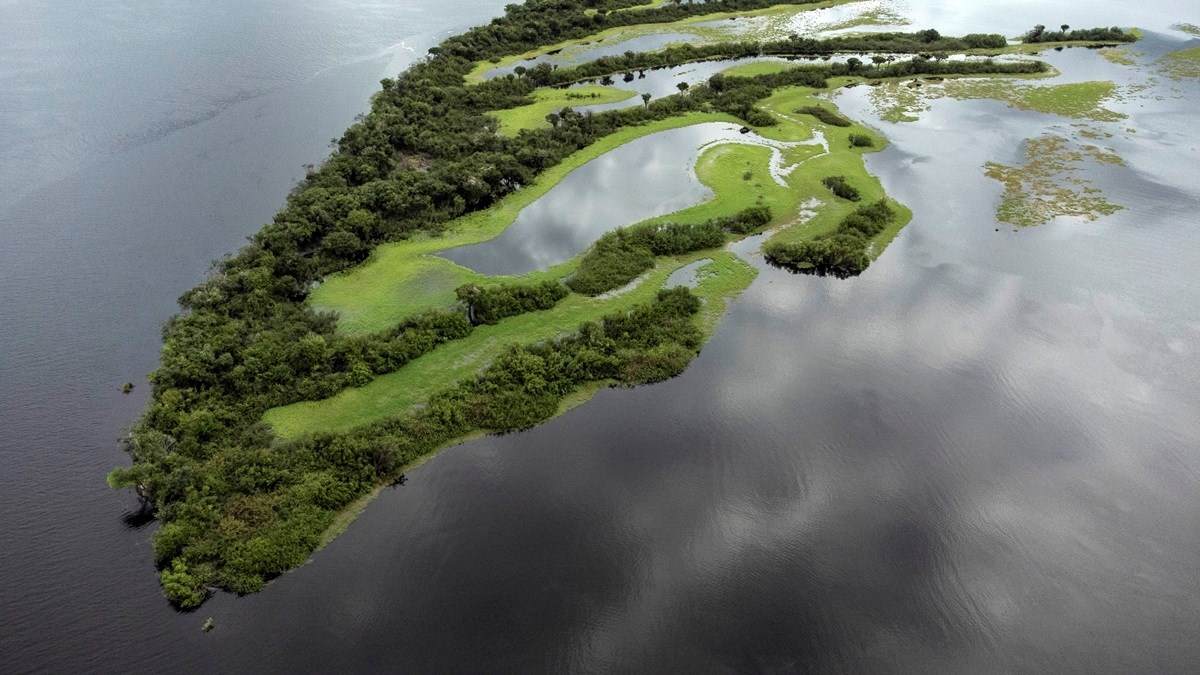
(237, 506)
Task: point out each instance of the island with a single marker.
(344, 345)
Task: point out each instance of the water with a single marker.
(615, 46)
(979, 456)
(650, 176)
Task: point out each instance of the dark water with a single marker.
(982, 455)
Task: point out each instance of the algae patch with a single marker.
(897, 101)
(1189, 28)
(1183, 64)
(1049, 184)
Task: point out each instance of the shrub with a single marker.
(825, 115)
(841, 253)
(490, 305)
(839, 187)
(861, 141)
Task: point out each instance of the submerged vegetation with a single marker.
(1181, 64)
(269, 416)
(1049, 184)
(903, 102)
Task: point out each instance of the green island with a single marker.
(334, 352)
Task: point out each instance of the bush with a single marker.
(491, 304)
(181, 587)
(825, 115)
(861, 141)
(839, 187)
(841, 253)
(747, 221)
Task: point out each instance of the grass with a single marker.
(546, 101)
(758, 68)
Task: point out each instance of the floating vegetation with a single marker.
(1182, 64)
(897, 101)
(1049, 184)
(1189, 28)
(1120, 55)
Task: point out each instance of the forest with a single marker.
(237, 506)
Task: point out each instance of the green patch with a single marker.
(1189, 28)
(1119, 55)
(1183, 64)
(546, 101)
(903, 101)
(1049, 184)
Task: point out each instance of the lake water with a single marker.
(982, 455)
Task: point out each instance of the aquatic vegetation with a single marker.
(904, 101)
(1189, 28)
(1181, 64)
(1049, 184)
(1119, 56)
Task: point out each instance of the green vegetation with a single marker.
(622, 255)
(861, 141)
(1049, 185)
(844, 252)
(1189, 28)
(1093, 35)
(1181, 64)
(425, 353)
(902, 102)
(841, 188)
(548, 101)
(491, 304)
(825, 115)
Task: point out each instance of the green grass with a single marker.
(758, 68)
(533, 116)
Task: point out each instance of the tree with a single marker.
(520, 71)
(646, 99)
(682, 86)
(853, 63)
(1064, 27)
